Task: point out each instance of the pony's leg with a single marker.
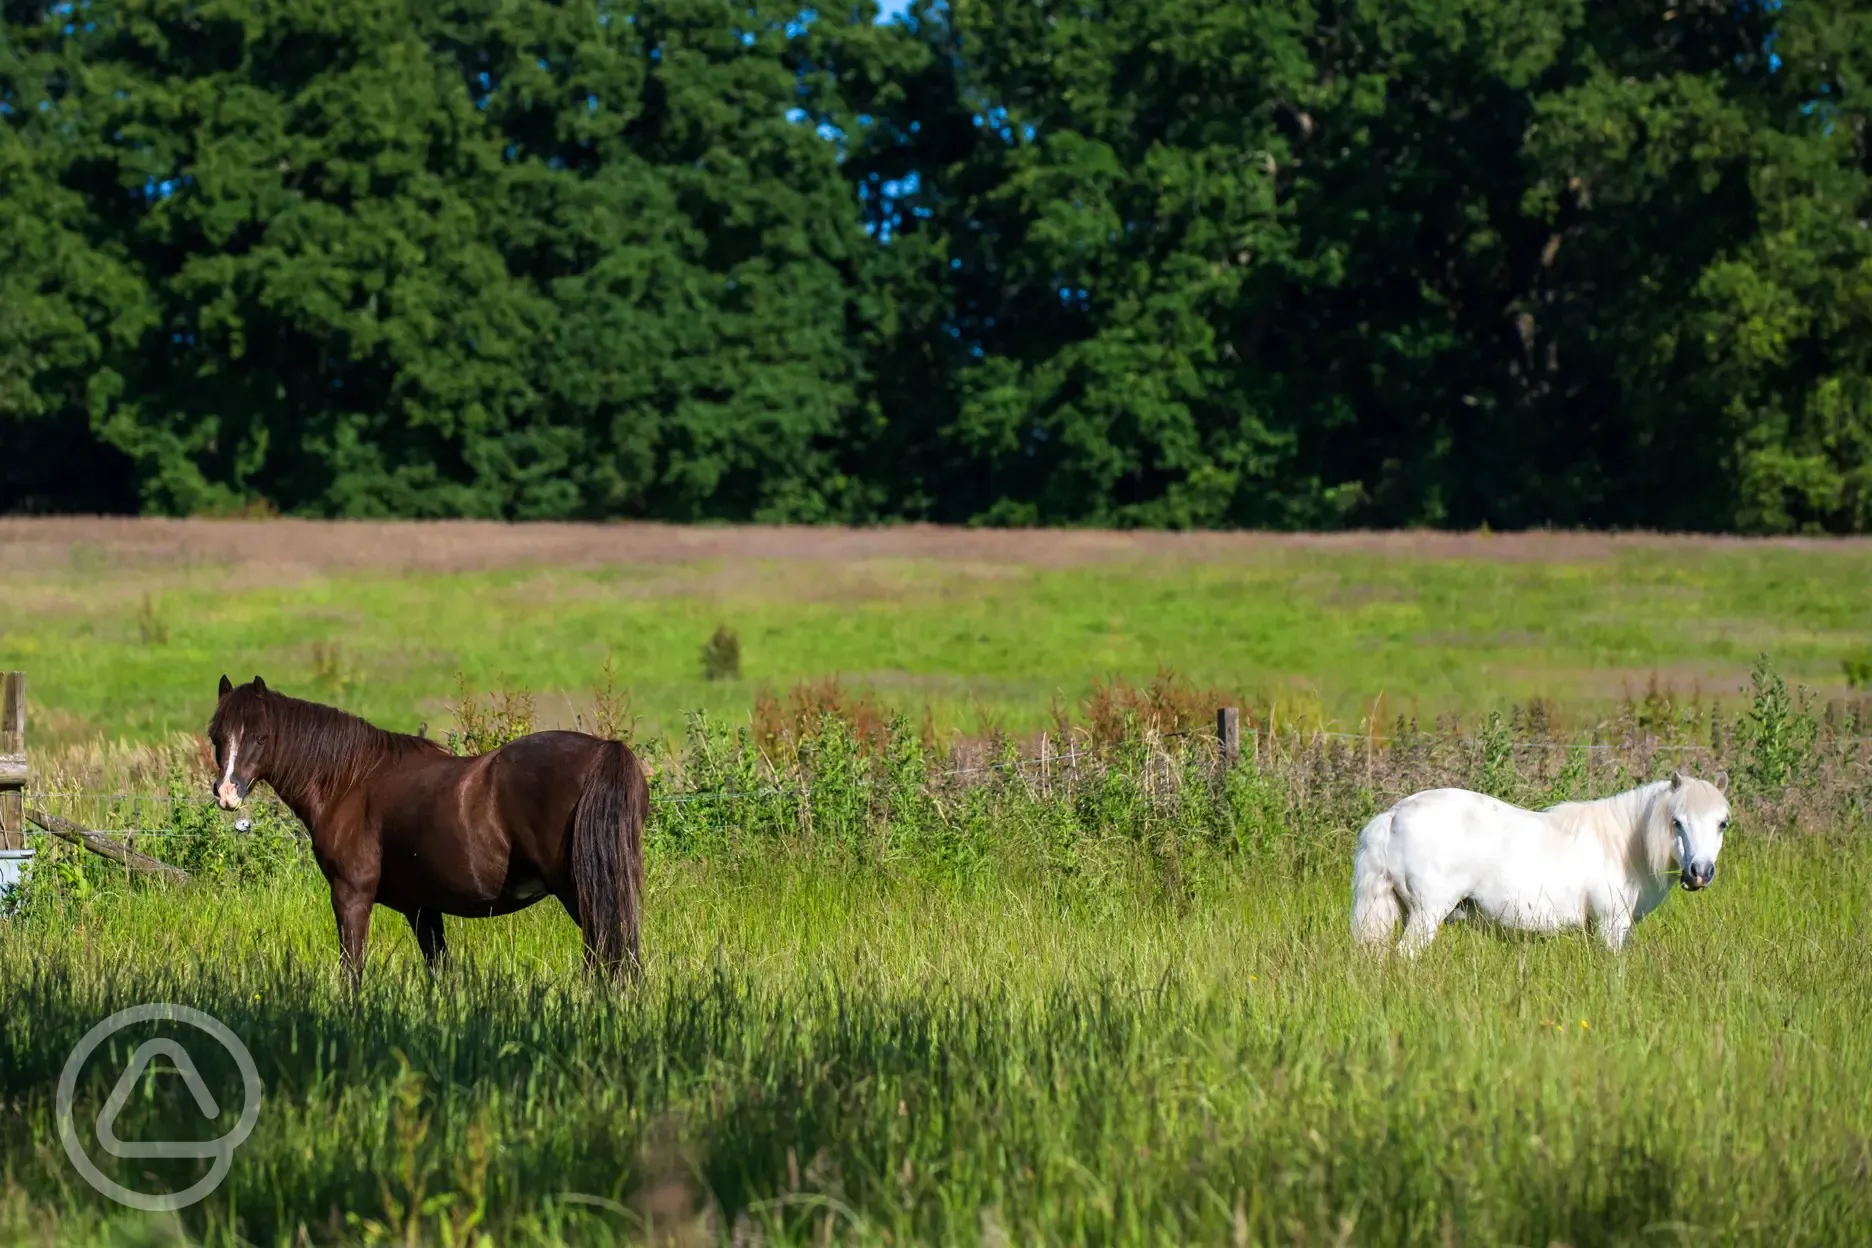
(569, 900)
(427, 924)
(1421, 927)
(351, 906)
(1614, 929)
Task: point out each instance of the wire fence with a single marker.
(794, 788)
(1255, 742)
(791, 789)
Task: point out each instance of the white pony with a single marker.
(1607, 861)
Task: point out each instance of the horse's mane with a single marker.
(1633, 827)
(318, 748)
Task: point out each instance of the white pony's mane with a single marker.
(1634, 826)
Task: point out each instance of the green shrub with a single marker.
(721, 655)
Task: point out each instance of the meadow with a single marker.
(124, 626)
(1047, 973)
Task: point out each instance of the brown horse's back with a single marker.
(485, 835)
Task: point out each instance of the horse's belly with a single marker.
(1532, 914)
(457, 883)
(1530, 899)
(409, 894)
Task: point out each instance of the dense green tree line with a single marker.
(1137, 262)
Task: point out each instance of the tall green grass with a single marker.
(825, 1050)
(905, 995)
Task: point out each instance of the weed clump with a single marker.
(486, 723)
(1777, 734)
(151, 627)
(613, 717)
(329, 671)
(1117, 710)
(721, 655)
(781, 725)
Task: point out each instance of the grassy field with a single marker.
(125, 627)
(826, 1053)
(899, 994)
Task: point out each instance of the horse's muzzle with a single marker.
(230, 795)
(1697, 876)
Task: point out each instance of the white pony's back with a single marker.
(1604, 862)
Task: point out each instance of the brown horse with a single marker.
(398, 821)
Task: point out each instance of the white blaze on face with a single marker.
(227, 793)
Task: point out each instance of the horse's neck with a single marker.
(307, 799)
(1628, 825)
(310, 797)
(312, 788)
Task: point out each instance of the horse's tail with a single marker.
(1375, 908)
(607, 858)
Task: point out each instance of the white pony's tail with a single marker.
(1375, 908)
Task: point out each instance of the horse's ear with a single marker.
(259, 685)
(1677, 779)
(1722, 782)
(227, 686)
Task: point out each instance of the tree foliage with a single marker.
(1132, 262)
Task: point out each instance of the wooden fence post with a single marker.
(13, 772)
(1228, 734)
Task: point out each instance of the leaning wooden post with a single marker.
(13, 777)
(13, 772)
(1228, 734)
(107, 847)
